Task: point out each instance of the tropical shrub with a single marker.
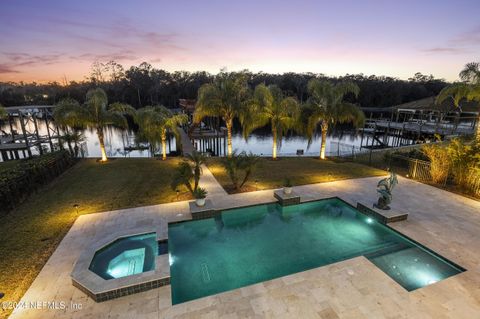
(439, 162)
(27, 175)
(188, 172)
(200, 193)
(238, 164)
(183, 176)
(465, 161)
(287, 182)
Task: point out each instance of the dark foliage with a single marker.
(27, 175)
(145, 85)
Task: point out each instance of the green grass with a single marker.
(300, 170)
(30, 234)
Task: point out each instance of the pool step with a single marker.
(390, 249)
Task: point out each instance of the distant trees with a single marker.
(144, 84)
(94, 114)
(327, 105)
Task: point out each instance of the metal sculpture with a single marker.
(384, 189)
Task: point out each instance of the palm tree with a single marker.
(155, 122)
(187, 170)
(236, 163)
(76, 137)
(183, 176)
(197, 160)
(326, 105)
(468, 90)
(471, 73)
(269, 105)
(95, 114)
(225, 97)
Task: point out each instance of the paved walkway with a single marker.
(208, 181)
(187, 145)
(447, 223)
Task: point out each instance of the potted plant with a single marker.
(200, 194)
(287, 186)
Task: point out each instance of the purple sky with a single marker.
(46, 40)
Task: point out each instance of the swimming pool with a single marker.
(253, 244)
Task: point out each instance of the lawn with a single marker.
(300, 170)
(30, 234)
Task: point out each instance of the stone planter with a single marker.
(200, 202)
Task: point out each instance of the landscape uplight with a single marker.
(76, 206)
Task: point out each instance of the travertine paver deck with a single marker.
(355, 288)
(208, 181)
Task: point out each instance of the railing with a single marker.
(396, 159)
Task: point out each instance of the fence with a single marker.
(368, 156)
(397, 160)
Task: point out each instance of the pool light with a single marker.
(370, 220)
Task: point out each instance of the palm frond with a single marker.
(457, 92)
(122, 108)
(471, 73)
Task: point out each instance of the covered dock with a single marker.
(28, 130)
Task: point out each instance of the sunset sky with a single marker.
(47, 40)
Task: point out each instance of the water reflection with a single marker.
(118, 142)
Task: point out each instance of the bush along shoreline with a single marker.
(26, 176)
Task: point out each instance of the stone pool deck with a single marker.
(446, 223)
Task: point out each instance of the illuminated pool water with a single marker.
(126, 256)
(249, 245)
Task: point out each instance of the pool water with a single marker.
(253, 244)
(126, 256)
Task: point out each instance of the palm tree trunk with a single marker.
(477, 130)
(229, 137)
(164, 144)
(102, 144)
(69, 144)
(323, 145)
(274, 146)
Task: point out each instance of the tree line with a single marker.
(144, 85)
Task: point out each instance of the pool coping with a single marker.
(100, 289)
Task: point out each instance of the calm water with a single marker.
(260, 142)
(115, 141)
(250, 245)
